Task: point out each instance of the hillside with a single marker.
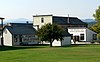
(19, 20)
(90, 22)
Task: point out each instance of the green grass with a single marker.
(74, 53)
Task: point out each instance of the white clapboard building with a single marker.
(15, 34)
(73, 25)
(82, 34)
(40, 20)
(25, 33)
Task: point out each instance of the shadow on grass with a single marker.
(76, 45)
(6, 48)
(82, 45)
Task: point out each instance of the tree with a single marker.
(97, 15)
(50, 32)
(96, 27)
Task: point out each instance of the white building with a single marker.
(40, 20)
(64, 22)
(19, 34)
(66, 41)
(23, 34)
(82, 34)
(72, 24)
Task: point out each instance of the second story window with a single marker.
(42, 20)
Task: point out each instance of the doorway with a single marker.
(76, 38)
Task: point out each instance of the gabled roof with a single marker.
(65, 21)
(21, 30)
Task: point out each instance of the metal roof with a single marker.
(29, 30)
(67, 21)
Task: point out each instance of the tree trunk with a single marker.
(61, 43)
(50, 43)
(2, 42)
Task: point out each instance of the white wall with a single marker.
(77, 31)
(88, 34)
(7, 38)
(37, 20)
(56, 43)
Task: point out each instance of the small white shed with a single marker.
(65, 42)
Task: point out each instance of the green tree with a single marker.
(98, 36)
(97, 15)
(96, 27)
(50, 32)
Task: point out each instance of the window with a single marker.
(81, 36)
(94, 36)
(15, 38)
(5, 31)
(42, 20)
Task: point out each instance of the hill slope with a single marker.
(19, 20)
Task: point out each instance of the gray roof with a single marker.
(21, 30)
(65, 34)
(64, 21)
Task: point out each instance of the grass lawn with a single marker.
(74, 53)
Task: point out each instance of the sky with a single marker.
(12, 9)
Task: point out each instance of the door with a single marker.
(76, 38)
(20, 39)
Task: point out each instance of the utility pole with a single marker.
(2, 30)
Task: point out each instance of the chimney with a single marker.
(27, 22)
(68, 21)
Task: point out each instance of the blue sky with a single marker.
(27, 8)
